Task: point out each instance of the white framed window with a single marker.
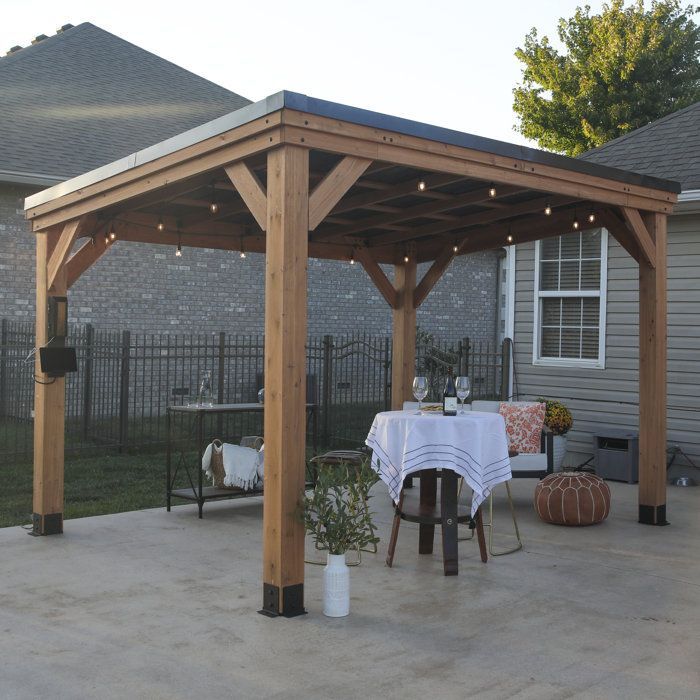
(570, 296)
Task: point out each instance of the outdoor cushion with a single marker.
(524, 423)
(529, 462)
(486, 406)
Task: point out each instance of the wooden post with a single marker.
(403, 357)
(285, 379)
(49, 410)
(652, 378)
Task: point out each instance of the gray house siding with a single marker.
(600, 398)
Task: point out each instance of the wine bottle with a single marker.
(449, 396)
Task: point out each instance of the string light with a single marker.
(112, 234)
(509, 238)
(492, 190)
(576, 223)
(213, 207)
(591, 216)
(160, 226)
(548, 210)
(406, 258)
(178, 251)
(421, 185)
(455, 248)
(352, 258)
(242, 253)
(106, 239)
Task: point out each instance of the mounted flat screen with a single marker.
(57, 361)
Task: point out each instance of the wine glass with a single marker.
(464, 388)
(420, 390)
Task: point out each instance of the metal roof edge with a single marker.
(199, 133)
(363, 117)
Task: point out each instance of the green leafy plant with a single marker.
(335, 512)
(557, 416)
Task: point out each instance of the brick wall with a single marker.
(146, 288)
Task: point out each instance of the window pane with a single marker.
(590, 243)
(549, 276)
(571, 342)
(591, 312)
(590, 274)
(550, 342)
(590, 343)
(569, 275)
(549, 249)
(551, 310)
(570, 246)
(571, 312)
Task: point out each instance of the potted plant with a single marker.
(336, 513)
(559, 420)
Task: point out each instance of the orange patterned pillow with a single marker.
(524, 423)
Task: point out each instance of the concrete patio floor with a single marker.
(154, 605)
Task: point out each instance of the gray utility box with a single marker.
(617, 455)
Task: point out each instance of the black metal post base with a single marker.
(292, 601)
(48, 524)
(653, 515)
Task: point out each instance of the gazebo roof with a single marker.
(365, 168)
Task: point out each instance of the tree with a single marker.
(621, 70)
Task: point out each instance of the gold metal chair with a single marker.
(352, 458)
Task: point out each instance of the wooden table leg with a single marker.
(448, 507)
(480, 536)
(428, 496)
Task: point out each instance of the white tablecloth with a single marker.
(473, 444)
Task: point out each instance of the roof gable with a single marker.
(667, 148)
(85, 97)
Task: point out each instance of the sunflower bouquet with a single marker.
(557, 416)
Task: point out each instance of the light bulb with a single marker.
(242, 254)
(421, 185)
(575, 224)
(455, 248)
(548, 210)
(213, 207)
(178, 252)
(106, 239)
(352, 259)
(160, 226)
(405, 258)
(509, 238)
(492, 190)
(112, 235)
(591, 216)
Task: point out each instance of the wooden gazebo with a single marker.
(294, 177)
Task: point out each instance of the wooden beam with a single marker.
(428, 209)
(424, 155)
(285, 379)
(641, 234)
(652, 378)
(69, 235)
(84, 258)
(251, 190)
(403, 351)
(193, 161)
(333, 187)
(49, 411)
(436, 271)
(376, 274)
(484, 217)
(620, 233)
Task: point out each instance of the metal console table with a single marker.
(196, 491)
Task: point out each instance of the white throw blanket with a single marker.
(243, 466)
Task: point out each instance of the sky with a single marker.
(442, 62)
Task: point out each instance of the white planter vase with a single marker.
(559, 451)
(336, 587)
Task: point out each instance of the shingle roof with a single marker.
(85, 97)
(667, 148)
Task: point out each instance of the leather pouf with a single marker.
(572, 498)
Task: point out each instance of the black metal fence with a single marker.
(118, 397)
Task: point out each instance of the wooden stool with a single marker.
(428, 513)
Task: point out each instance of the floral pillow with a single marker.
(524, 422)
